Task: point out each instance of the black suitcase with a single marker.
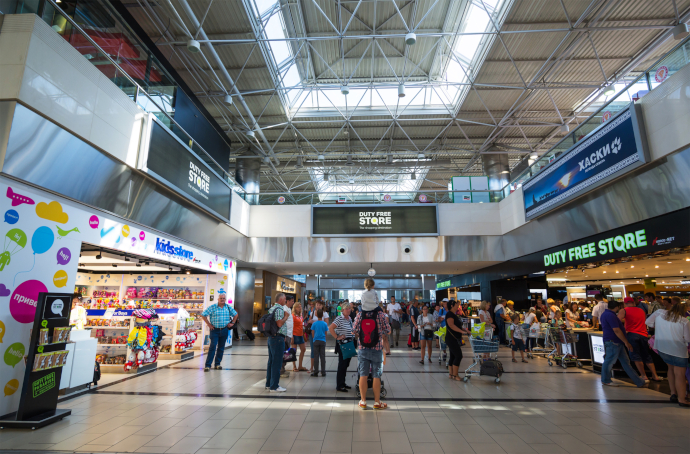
(249, 334)
(492, 368)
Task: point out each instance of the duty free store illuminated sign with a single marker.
(626, 243)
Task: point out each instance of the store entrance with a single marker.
(142, 312)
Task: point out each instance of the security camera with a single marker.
(342, 249)
(407, 248)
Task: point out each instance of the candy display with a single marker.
(104, 294)
(164, 293)
(107, 322)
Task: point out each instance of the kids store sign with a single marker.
(42, 237)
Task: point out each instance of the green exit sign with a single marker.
(443, 284)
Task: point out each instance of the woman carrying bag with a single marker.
(426, 324)
(341, 330)
(454, 333)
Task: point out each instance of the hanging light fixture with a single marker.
(389, 159)
(680, 31)
(321, 157)
(610, 90)
(349, 160)
(345, 90)
(251, 134)
(193, 46)
(565, 128)
(267, 160)
(410, 39)
(420, 156)
(401, 91)
(228, 100)
(298, 164)
(413, 176)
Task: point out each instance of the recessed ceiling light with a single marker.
(646, 275)
(604, 272)
(656, 266)
(616, 272)
(668, 262)
(632, 266)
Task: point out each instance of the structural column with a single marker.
(244, 296)
(248, 174)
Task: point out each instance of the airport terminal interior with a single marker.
(345, 226)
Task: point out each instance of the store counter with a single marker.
(583, 342)
(80, 362)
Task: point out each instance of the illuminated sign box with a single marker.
(611, 150)
(375, 220)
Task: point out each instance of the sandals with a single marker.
(302, 369)
(362, 405)
(380, 406)
(514, 360)
(524, 361)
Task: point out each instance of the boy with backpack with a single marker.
(370, 327)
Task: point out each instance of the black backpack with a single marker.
(492, 368)
(368, 329)
(267, 324)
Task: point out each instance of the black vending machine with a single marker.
(46, 355)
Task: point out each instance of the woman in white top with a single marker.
(671, 338)
(484, 315)
(425, 322)
(571, 316)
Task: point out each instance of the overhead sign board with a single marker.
(375, 220)
(174, 164)
(613, 149)
(442, 285)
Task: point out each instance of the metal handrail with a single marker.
(136, 84)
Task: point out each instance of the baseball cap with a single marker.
(629, 300)
(444, 299)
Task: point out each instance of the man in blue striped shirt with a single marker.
(220, 319)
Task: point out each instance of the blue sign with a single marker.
(614, 148)
(126, 312)
(170, 249)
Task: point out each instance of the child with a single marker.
(318, 330)
(518, 343)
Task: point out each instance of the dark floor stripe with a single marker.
(390, 399)
(579, 371)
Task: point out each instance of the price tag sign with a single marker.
(109, 313)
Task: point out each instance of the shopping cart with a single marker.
(480, 349)
(549, 343)
(565, 352)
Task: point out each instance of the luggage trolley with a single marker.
(542, 333)
(565, 351)
(480, 347)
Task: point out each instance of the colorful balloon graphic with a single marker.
(93, 222)
(11, 216)
(142, 235)
(125, 231)
(14, 354)
(24, 299)
(60, 278)
(63, 256)
(42, 240)
(15, 241)
(2, 331)
(11, 387)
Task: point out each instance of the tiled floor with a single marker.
(535, 409)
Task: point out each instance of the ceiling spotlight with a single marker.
(345, 90)
(565, 128)
(267, 160)
(668, 262)
(646, 275)
(349, 160)
(169, 268)
(401, 91)
(610, 90)
(632, 266)
(604, 272)
(138, 264)
(410, 39)
(352, 181)
(616, 272)
(99, 256)
(114, 265)
(298, 164)
(321, 157)
(534, 156)
(228, 100)
(193, 46)
(680, 31)
(656, 266)
(188, 272)
(506, 171)
(251, 134)
(420, 156)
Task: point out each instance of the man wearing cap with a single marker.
(220, 318)
(440, 318)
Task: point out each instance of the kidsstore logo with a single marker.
(175, 251)
(598, 156)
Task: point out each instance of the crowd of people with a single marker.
(370, 327)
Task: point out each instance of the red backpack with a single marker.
(368, 329)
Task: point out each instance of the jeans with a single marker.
(343, 364)
(218, 337)
(613, 352)
(397, 333)
(319, 354)
(501, 328)
(276, 346)
(311, 346)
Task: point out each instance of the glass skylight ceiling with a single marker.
(443, 94)
(331, 183)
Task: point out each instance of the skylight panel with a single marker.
(477, 22)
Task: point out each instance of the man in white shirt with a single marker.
(599, 309)
(288, 339)
(394, 312)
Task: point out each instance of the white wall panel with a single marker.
(239, 214)
(280, 221)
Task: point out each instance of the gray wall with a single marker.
(244, 296)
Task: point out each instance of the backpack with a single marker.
(267, 324)
(491, 367)
(368, 329)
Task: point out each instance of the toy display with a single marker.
(144, 339)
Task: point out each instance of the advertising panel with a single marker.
(172, 163)
(613, 149)
(375, 220)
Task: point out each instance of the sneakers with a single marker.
(280, 389)
(315, 374)
(206, 369)
(323, 374)
(611, 384)
(285, 375)
(218, 367)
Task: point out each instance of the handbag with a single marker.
(395, 324)
(347, 348)
(429, 333)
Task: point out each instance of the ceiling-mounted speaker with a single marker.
(193, 46)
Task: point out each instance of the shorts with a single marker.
(415, 335)
(640, 347)
(298, 340)
(370, 360)
(519, 345)
(676, 361)
(424, 338)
